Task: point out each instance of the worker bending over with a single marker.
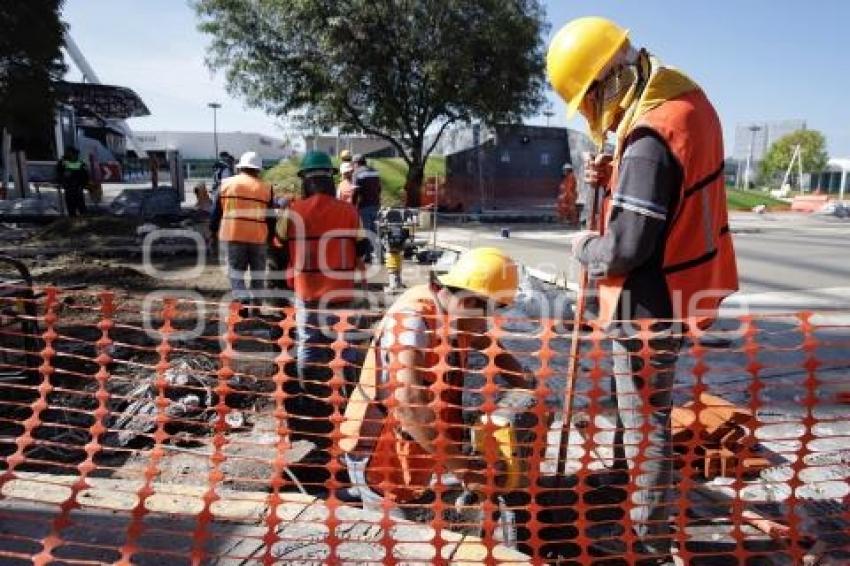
(666, 252)
(242, 217)
(403, 425)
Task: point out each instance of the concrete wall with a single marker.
(366, 145)
(520, 167)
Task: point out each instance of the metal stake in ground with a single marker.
(572, 368)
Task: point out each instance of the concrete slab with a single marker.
(238, 534)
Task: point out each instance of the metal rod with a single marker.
(572, 368)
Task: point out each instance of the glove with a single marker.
(577, 239)
(494, 439)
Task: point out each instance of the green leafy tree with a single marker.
(31, 39)
(395, 69)
(812, 148)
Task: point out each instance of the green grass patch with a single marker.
(393, 172)
(746, 200)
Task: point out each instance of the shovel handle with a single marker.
(578, 322)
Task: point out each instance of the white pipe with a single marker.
(80, 61)
(90, 76)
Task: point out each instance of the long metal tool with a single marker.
(578, 322)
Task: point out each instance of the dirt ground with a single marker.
(98, 254)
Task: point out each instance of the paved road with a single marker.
(776, 253)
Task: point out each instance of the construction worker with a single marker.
(223, 168)
(242, 217)
(567, 196)
(326, 246)
(345, 189)
(666, 253)
(394, 442)
(73, 177)
(367, 199)
(277, 283)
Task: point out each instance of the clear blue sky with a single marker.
(757, 59)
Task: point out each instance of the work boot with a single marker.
(348, 495)
(360, 490)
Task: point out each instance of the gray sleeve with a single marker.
(649, 181)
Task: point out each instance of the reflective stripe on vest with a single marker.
(322, 233)
(245, 207)
(369, 430)
(699, 259)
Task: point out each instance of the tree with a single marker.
(812, 147)
(30, 62)
(395, 69)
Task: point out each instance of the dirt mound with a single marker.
(95, 226)
(96, 275)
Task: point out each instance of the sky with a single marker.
(756, 59)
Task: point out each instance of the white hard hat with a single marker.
(250, 160)
(346, 167)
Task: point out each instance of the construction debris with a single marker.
(191, 399)
(726, 441)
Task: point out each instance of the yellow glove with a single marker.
(495, 440)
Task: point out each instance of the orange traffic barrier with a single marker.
(178, 431)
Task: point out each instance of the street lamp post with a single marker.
(750, 155)
(548, 112)
(215, 106)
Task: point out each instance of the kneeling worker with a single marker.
(403, 425)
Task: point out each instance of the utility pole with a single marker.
(215, 106)
(753, 129)
(548, 112)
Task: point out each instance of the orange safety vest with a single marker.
(322, 233)
(245, 205)
(399, 467)
(345, 191)
(567, 199)
(699, 259)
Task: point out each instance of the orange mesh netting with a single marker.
(177, 431)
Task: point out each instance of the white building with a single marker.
(753, 139)
(200, 145)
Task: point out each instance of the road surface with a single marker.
(777, 253)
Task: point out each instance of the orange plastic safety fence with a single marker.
(177, 431)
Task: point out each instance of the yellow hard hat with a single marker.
(578, 52)
(487, 272)
(345, 155)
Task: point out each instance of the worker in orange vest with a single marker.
(666, 253)
(567, 206)
(345, 189)
(242, 219)
(326, 245)
(403, 425)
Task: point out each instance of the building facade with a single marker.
(759, 136)
(366, 145)
(200, 146)
(507, 167)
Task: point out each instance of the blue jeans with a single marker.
(313, 338)
(242, 259)
(314, 335)
(369, 218)
(650, 504)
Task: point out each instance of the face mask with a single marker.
(607, 99)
